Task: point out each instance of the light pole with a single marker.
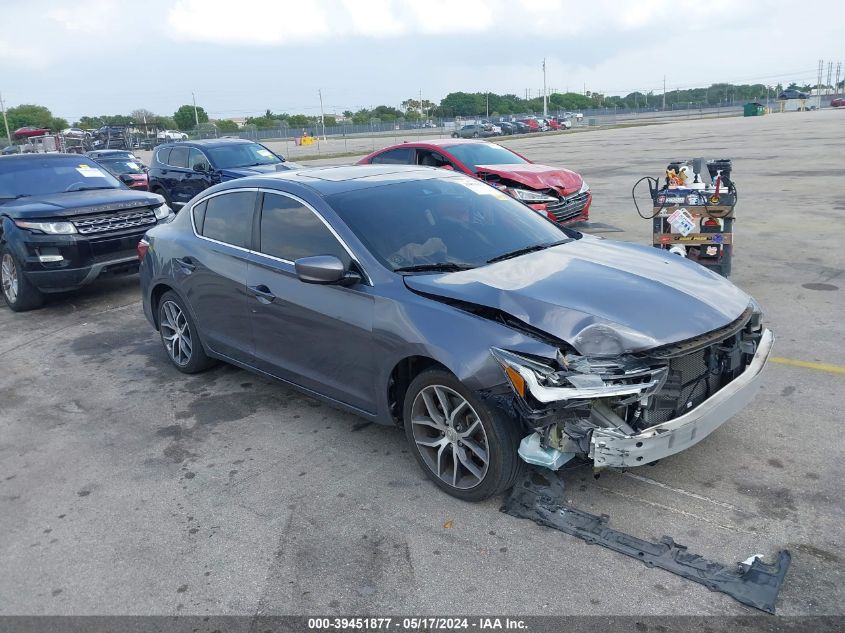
(545, 94)
(196, 115)
(5, 121)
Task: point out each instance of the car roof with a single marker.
(44, 156)
(209, 142)
(341, 178)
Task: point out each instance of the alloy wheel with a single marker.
(450, 437)
(9, 278)
(175, 333)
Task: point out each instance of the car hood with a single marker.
(648, 297)
(78, 202)
(536, 176)
(242, 172)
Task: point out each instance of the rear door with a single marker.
(198, 176)
(177, 174)
(397, 156)
(213, 272)
(316, 336)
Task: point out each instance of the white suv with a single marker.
(172, 135)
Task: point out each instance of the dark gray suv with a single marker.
(424, 298)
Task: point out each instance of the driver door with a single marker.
(198, 177)
(316, 336)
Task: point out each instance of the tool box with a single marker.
(694, 212)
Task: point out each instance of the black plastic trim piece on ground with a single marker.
(539, 497)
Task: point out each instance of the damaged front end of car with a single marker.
(631, 409)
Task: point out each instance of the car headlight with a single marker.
(162, 212)
(584, 187)
(53, 228)
(581, 378)
(527, 195)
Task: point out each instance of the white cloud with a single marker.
(373, 18)
(248, 22)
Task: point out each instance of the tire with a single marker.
(455, 135)
(180, 336)
(164, 195)
(18, 291)
(475, 135)
(457, 447)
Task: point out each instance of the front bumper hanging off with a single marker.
(539, 496)
(608, 447)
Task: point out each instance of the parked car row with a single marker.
(529, 124)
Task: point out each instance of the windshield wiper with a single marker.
(525, 251)
(442, 267)
(20, 195)
(92, 188)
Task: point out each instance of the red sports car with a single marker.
(560, 194)
(838, 102)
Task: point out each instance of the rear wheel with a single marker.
(180, 337)
(465, 447)
(18, 291)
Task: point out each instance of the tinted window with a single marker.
(197, 158)
(241, 155)
(178, 157)
(455, 220)
(36, 176)
(163, 155)
(290, 230)
(228, 218)
(199, 216)
(399, 156)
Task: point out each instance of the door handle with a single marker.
(262, 293)
(187, 264)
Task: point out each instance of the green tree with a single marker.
(29, 115)
(185, 119)
(329, 121)
(225, 125)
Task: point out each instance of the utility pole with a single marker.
(322, 116)
(5, 121)
(487, 94)
(838, 71)
(545, 92)
(196, 115)
(664, 92)
(829, 78)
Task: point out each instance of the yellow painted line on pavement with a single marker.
(831, 369)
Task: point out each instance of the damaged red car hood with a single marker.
(535, 176)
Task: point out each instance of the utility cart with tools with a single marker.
(693, 212)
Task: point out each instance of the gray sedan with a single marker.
(426, 299)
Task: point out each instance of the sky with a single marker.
(241, 57)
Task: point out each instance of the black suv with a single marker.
(179, 171)
(63, 222)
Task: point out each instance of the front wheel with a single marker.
(18, 291)
(466, 447)
(180, 337)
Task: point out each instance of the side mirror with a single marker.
(324, 269)
(201, 167)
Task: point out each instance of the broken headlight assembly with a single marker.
(579, 377)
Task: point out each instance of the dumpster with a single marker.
(753, 109)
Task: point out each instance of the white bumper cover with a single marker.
(609, 448)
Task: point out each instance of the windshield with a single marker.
(457, 221)
(122, 166)
(474, 154)
(241, 155)
(39, 176)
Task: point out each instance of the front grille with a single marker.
(569, 207)
(696, 376)
(114, 221)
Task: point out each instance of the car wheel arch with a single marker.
(400, 378)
